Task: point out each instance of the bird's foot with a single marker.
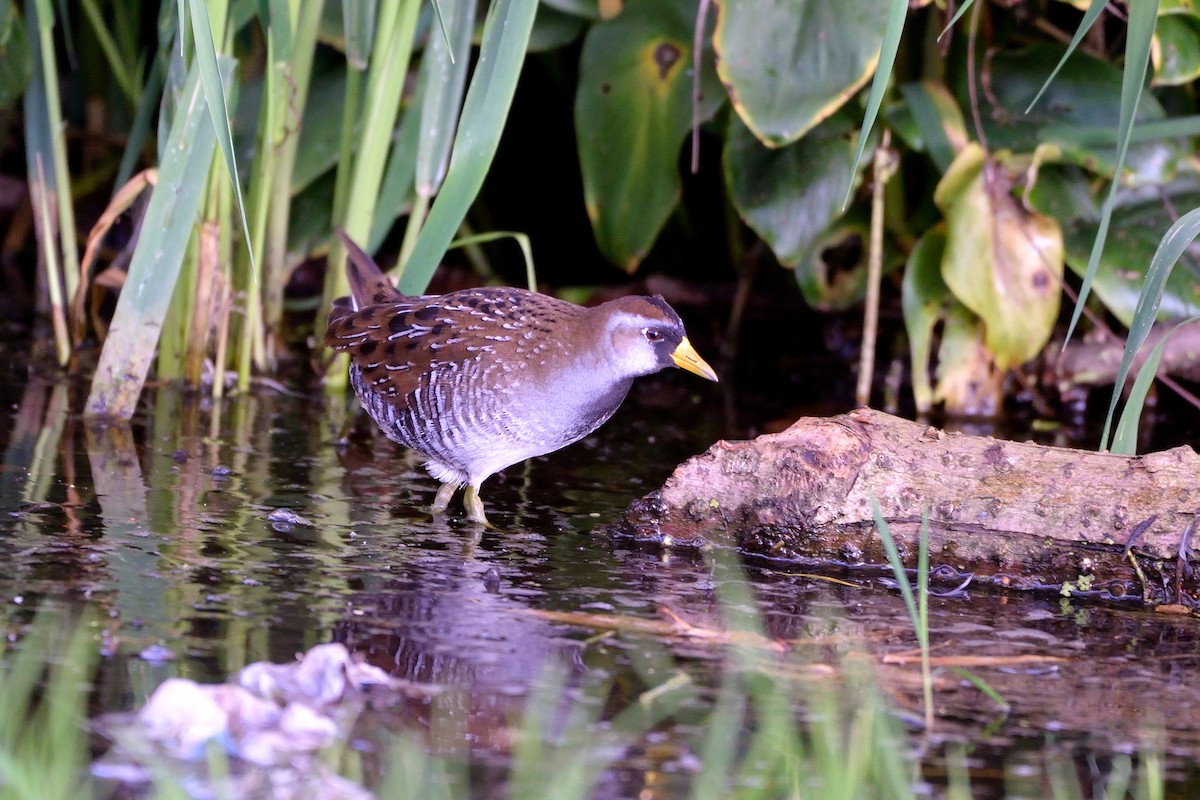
(474, 506)
(444, 494)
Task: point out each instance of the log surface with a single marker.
(1017, 514)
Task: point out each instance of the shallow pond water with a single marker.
(207, 537)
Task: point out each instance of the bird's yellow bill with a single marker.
(685, 356)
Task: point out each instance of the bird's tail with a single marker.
(368, 284)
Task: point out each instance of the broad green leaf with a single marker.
(790, 195)
(923, 296)
(584, 9)
(1176, 49)
(1089, 18)
(554, 29)
(833, 274)
(967, 381)
(1086, 96)
(443, 76)
(1140, 219)
(1002, 262)
(939, 121)
(166, 227)
(1066, 193)
(501, 54)
(310, 215)
(1136, 232)
(789, 64)
(633, 109)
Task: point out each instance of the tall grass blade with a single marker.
(51, 267)
(501, 55)
(46, 164)
(298, 78)
(918, 606)
(962, 9)
(44, 53)
(43, 741)
(897, 13)
(147, 105)
(1125, 437)
(358, 28)
(390, 59)
(894, 560)
(1089, 18)
(214, 95)
(108, 46)
(166, 227)
(1104, 136)
(396, 190)
(1142, 16)
(442, 82)
(1172, 245)
(445, 80)
(522, 241)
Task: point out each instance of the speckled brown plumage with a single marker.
(479, 379)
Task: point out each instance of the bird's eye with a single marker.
(652, 334)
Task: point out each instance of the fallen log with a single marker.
(1015, 514)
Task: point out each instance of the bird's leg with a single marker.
(444, 493)
(474, 505)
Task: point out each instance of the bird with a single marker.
(477, 380)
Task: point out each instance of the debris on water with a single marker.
(180, 456)
(283, 519)
(221, 471)
(491, 580)
(157, 654)
(276, 716)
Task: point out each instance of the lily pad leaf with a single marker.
(633, 109)
(1175, 49)
(1085, 95)
(789, 64)
(790, 195)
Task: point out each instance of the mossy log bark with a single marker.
(1016, 514)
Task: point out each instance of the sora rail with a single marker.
(479, 379)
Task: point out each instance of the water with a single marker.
(207, 537)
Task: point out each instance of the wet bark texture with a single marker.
(1016, 514)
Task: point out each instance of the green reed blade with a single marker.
(1125, 437)
(897, 13)
(1172, 245)
(170, 215)
(214, 95)
(1142, 16)
(1089, 18)
(501, 54)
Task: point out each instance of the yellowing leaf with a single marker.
(1003, 262)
